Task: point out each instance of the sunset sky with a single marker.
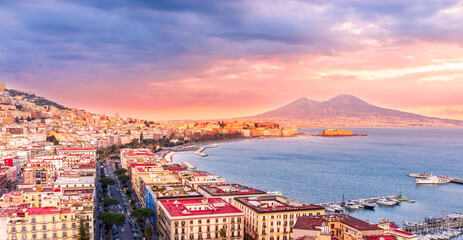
(200, 59)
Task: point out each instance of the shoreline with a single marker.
(168, 153)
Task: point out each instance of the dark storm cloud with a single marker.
(89, 35)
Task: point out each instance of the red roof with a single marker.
(77, 149)
(47, 210)
(179, 208)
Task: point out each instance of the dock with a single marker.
(424, 175)
(369, 200)
(449, 221)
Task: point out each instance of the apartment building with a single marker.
(272, 217)
(43, 223)
(203, 218)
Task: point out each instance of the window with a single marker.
(65, 234)
(44, 236)
(13, 229)
(23, 229)
(34, 229)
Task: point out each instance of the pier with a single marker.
(424, 175)
(450, 221)
(369, 200)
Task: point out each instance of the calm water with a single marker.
(317, 169)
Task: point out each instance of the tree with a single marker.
(84, 232)
(223, 232)
(110, 201)
(123, 178)
(143, 213)
(149, 232)
(141, 137)
(120, 171)
(110, 218)
(115, 157)
(108, 181)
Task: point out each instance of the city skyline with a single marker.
(208, 59)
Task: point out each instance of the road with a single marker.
(128, 233)
(99, 232)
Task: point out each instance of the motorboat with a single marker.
(367, 205)
(386, 202)
(337, 208)
(351, 206)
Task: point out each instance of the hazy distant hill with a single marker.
(347, 110)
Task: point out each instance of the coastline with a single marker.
(168, 153)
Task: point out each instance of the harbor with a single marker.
(437, 228)
(442, 179)
(366, 203)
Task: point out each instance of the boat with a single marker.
(276, 193)
(329, 208)
(367, 205)
(432, 180)
(351, 206)
(386, 202)
(337, 208)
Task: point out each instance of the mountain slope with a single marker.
(348, 110)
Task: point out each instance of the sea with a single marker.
(324, 169)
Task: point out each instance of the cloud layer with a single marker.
(212, 59)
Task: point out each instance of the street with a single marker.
(116, 191)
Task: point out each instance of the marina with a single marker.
(366, 203)
(434, 228)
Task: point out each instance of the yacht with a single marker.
(351, 206)
(337, 208)
(386, 202)
(432, 180)
(367, 205)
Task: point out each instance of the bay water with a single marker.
(324, 169)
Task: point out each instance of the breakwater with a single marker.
(424, 175)
(201, 149)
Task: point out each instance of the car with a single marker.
(122, 230)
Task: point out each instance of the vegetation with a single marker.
(40, 101)
(115, 157)
(120, 171)
(110, 201)
(107, 181)
(123, 178)
(110, 218)
(84, 231)
(149, 232)
(143, 213)
(53, 140)
(223, 233)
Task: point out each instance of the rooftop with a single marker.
(47, 210)
(75, 180)
(230, 190)
(309, 222)
(198, 207)
(357, 223)
(174, 191)
(265, 204)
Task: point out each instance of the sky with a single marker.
(201, 59)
